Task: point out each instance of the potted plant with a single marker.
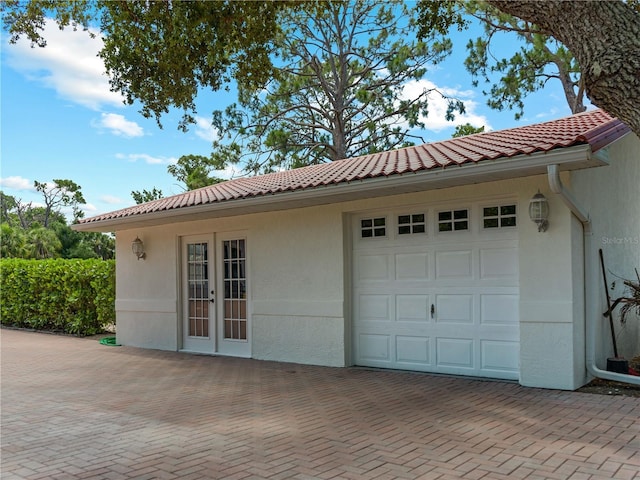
(630, 304)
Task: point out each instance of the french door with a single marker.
(214, 292)
(198, 294)
(233, 328)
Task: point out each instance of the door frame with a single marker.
(216, 343)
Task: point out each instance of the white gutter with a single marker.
(591, 306)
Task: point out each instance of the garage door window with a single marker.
(414, 223)
(373, 227)
(499, 216)
(453, 220)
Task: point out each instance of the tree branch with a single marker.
(604, 37)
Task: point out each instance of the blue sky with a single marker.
(59, 120)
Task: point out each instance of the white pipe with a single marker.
(557, 187)
(591, 305)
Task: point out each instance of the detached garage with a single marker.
(424, 258)
(436, 289)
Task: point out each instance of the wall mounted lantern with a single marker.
(138, 248)
(539, 211)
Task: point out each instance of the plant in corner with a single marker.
(630, 302)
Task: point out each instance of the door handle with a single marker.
(433, 310)
(212, 299)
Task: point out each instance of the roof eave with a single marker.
(570, 158)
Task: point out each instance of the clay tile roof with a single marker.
(595, 128)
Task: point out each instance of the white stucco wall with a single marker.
(611, 196)
(146, 302)
(295, 282)
(551, 332)
(297, 287)
(299, 276)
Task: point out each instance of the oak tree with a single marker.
(317, 81)
(536, 59)
(604, 37)
(162, 53)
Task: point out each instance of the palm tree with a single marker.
(12, 241)
(42, 243)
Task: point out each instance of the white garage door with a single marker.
(436, 289)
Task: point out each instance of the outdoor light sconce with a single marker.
(539, 211)
(138, 248)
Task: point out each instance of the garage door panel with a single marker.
(413, 350)
(499, 356)
(412, 266)
(413, 308)
(455, 352)
(500, 333)
(374, 347)
(374, 268)
(454, 264)
(471, 280)
(374, 307)
(499, 309)
(454, 308)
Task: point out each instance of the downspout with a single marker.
(590, 304)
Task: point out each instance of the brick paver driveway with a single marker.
(72, 408)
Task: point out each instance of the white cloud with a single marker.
(68, 64)
(134, 157)
(229, 173)
(17, 183)
(118, 125)
(111, 200)
(436, 120)
(89, 208)
(205, 130)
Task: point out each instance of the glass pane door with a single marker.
(235, 331)
(235, 290)
(198, 295)
(198, 287)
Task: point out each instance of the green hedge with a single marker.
(71, 296)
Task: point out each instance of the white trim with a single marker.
(150, 305)
(298, 308)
